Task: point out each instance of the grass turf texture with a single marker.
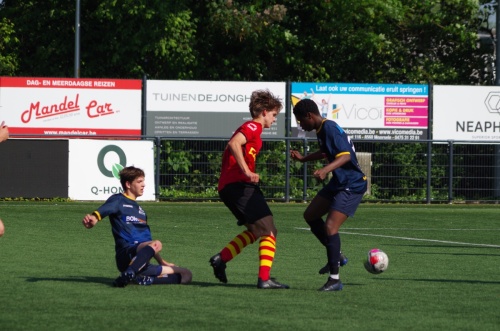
(57, 275)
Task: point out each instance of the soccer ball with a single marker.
(376, 261)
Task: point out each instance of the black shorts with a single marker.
(246, 201)
(124, 256)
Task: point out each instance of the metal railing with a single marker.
(398, 171)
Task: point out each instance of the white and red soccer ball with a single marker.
(377, 261)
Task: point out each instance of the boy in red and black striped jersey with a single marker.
(238, 188)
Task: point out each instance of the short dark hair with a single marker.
(305, 106)
(129, 174)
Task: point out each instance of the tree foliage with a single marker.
(8, 48)
(389, 41)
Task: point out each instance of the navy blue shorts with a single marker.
(246, 201)
(343, 201)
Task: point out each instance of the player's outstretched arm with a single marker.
(89, 221)
(318, 155)
(4, 132)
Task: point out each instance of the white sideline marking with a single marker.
(415, 239)
(412, 229)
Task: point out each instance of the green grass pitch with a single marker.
(443, 272)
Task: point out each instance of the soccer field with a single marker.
(443, 272)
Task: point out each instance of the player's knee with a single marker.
(156, 245)
(307, 216)
(331, 229)
(268, 232)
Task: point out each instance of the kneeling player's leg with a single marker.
(162, 275)
(145, 252)
(174, 275)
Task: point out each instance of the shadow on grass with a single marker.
(254, 286)
(76, 279)
(214, 284)
(109, 281)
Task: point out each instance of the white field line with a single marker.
(426, 229)
(415, 239)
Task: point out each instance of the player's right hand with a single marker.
(254, 178)
(296, 155)
(89, 221)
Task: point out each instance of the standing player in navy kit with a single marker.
(134, 245)
(239, 191)
(340, 198)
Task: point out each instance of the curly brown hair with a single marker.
(263, 100)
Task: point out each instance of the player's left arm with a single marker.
(340, 159)
(340, 146)
(162, 261)
(157, 246)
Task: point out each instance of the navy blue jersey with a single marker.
(128, 221)
(334, 142)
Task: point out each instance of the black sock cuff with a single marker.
(331, 238)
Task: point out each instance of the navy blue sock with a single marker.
(318, 229)
(333, 253)
(140, 260)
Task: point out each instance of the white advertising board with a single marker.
(61, 107)
(205, 108)
(466, 113)
(93, 166)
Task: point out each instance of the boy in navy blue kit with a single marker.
(134, 245)
(340, 198)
